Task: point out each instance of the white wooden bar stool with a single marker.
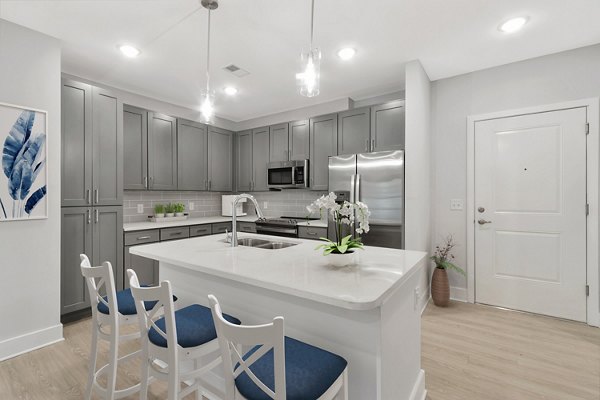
(110, 312)
(173, 337)
(277, 367)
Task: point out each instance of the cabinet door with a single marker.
(135, 145)
(299, 140)
(108, 148)
(76, 239)
(145, 268)
(387, 126)
(192, 155)
(323, 144)
(220, 157)
(76, 142)
(244, 161)
(162, 152)
(260, 158)
(108, 239)
(279, 142)
(354, 131)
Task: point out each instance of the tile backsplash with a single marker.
(291, 203)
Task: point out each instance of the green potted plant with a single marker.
(179, 208)
(169, 210)
(344, 214)
(442, 257)
(159, 211)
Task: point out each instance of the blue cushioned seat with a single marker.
(126, 304)
(309, 372)
(195, 326)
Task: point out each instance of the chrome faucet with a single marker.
(234, 241)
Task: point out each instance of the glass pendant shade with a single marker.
(308, 80)
(207, 107)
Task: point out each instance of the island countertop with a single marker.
(298, 270)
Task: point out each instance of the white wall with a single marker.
(418, 163)
(30, 250)
(565, 76)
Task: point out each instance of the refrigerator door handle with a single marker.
(352, 187)
(357, 195)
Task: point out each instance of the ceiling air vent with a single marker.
(235, 70)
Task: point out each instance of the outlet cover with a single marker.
(140, 208)
(265, 205)
(191, 206)
(456, 204)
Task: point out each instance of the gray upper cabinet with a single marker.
(387, 126)
(323, 144)
(192, 155)
(76, 238)
(135, 144)
(76, 139)
(354, 131)
(299, 140)
(162, 152)
(279, 142)
(244, 161)
(107, 148)
(260, 158)
(220, 160)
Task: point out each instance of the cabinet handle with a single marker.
(150, 182)
(209, 184)
(311, 233)
(146, 182)
(97, 215)
(89, 216)
(143, 237)
(373, 145)
(96, 196)
(175, 233)
(88, 196)
(205, 184)
(367, 145)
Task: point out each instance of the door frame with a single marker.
(593, 163)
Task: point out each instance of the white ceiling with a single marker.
(265, 37)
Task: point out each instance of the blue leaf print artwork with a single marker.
(22, 161)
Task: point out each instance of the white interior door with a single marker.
(530, 213)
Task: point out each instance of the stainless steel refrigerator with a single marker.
(376, 179)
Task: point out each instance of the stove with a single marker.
(282, 226)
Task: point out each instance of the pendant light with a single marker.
(208, 96)
(310, 62)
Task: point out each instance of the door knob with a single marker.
(481, 209)
(483, 222)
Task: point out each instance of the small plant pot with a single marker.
(440, 288)
(162, 215)
(341, 260)
(169, 215)
(179, 214)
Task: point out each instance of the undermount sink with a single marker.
(264, 244)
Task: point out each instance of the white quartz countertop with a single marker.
(140, 226)
(298, 270)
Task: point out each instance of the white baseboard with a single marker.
(458, 294)
(419, 392)
(13, 347)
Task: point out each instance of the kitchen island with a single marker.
(367, 312)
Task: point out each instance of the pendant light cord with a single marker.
(208, 56)
(312, 23)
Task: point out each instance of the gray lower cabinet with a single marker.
(354, 128)
(312, 232)
(221, 227)
(180, 232)
(145, 268)
(244, 161)
(192, 155)
(200, 230)
(249, 227)
(96, 232)
(279, 142)
(220, 160)
(162, 152)
(323, 144)
(135, 145)
(260, 158)
(388, 126)
(299, 148)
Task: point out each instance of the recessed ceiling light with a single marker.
(129, 51)
(346, 53)
(230, 90)
(513, 24)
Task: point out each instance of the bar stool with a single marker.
(104, 317)
(176, 337)
(277, 367)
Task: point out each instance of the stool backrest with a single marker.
(100, 280)
(162, 296)
(232, 337)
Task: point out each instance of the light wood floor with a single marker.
(470, 352)
(475, 352)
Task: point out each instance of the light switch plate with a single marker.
(265, 205)
(140, 208)
(191, 206)
(456, 204)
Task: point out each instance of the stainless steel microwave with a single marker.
(287, 174)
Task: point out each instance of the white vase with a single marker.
(170, 215)
(179, 214)
(341, 260)
(161, 215)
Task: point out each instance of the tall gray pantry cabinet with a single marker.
(91, 187)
